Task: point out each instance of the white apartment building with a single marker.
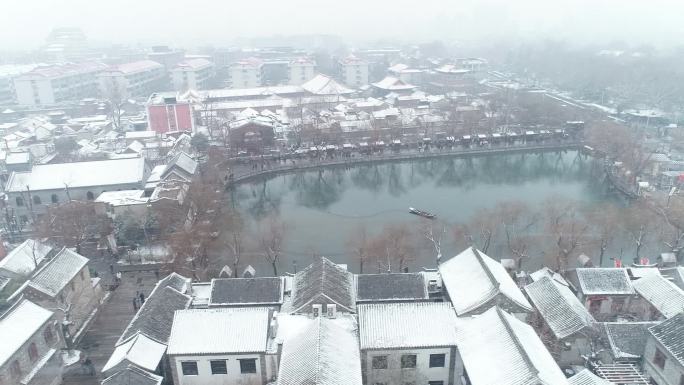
(301, 70)
(135, 79)
(57, 83)
(193, 74)
(7, 74)
(246, 73)
(353, 71)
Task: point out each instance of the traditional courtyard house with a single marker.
(498, 349)
(586, 377)
(664, 298)
(29, 345)
(401, 287)
(220, 346)
(243, 292)
(252, 135)
(24, 259)
(664, 354)
(139, 352)
(605, 292)
(566, 326)
(182, 168)
(404, 343)
(323, 286)
(625, 341)
(323, 351)
(133, 375)
(476, 282)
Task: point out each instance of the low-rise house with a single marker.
(586, 377)
(476, 283)
(132, 375)
(409, 343)
(29, 345)
(242, 292)
(24, 259)
(400, 287)
(664, 298)
(140, 352)
(566, 326)
(605, 292)
(664, 353)
(625, 341)
(498, 349)
(219, 346)
(323, 285)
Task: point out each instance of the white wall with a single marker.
(671, 374)
(26, 95)
(423, 373)
(205, 377)
(355, 75)
(300, 74)
(245, 76)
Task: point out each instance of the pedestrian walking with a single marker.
(135, 304)
(142, 298)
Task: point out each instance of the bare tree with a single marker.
(271, 237)
(603, 221)
(568, 229)
(393, 247)
(359, 243)
(434, 232)
(518, 221)
(113, 94)
(72, 223)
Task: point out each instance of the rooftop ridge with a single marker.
(516, 342)
(491, 277)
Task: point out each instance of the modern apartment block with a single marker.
(135, 79)
(193, 74)
(57, 83)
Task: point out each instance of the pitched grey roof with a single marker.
(176, 281)
(132, 376)
(244, 291)
(604, 281)
(562, 311)
(182, 162)
(662, 294)
(155, 317)
(25, 258)
(390, 287)
(670, 334)
(323, 282)
(585, 377)
(58, 272)
(627, 339)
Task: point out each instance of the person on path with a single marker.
(142, 298)
(135, 304)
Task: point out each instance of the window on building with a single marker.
(594, 306)
(408, 361)
(437, 360)
(617, 305)
(20, 201)
(36, 200)
(82, 275)
(90, 196)
(189, 368)
(72, 285)
(54, 198)
(33, 352)
(48, 336)
(380, 362)
(435, 382)
(218, 367)
(659, 359)
(15, 369)
(248, 365)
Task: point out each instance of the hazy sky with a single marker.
(26, 23)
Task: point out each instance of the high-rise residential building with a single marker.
(353, 71)
(58, 83)
(193, 74)
(301, 70)
(246, 73)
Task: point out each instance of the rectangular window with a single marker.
(408, 361)
(436, 360)
(189, 368)
(248, 366)
(659, 359)
(435, 382)
(219, 367)
(380, 362)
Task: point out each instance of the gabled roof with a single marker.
(25, 258)
(662, 294)
(604, 281)
(155, 317)
(133, 376)
(407, 325)
(219, 331)
(586, 377)
(18, 324)
(140, 351)
(246, 291)
(670, 334)
(391, 83)
(325, 352)
(627, 339)
(53, 277)
(183, 162)
(176, 281)
(325, 85)
(546, 272)
(562, 311)
(323, 282)
(390, 287)
(473, 279)
(498, 349)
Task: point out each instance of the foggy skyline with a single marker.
(27, 23)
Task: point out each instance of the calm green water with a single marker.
(323, 208)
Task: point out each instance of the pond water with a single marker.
(323, 208)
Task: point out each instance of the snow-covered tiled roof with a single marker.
(323, 352)
(586, 377)
(123, 197)
(78, 174)
(407, 325)
(604, 281)
(19, 323)
(473, 279)
(135, 67)
(670, 334)
(392, 83)
(627, 339)
(25, 258)
(53, 277)
(219, 331)
(498, 349)
(246, 291)
(133, 375)
(325, 85)
(546, 272)
(662, 294)
(390, 287)
(562, 311)
(139, 350)
(323, 282)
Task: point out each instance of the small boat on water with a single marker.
(422, 213)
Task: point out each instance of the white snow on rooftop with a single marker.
(661, 293)
(586, 377)
(604, 281)
(25, 258)
(325, 85)
(18, 324)
(58, 272)
(213, 331)
(139, 350)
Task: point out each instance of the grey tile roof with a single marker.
(323, 282)
(627, 339)
(244, 291)
(604, 281)
(175, 281)
(670, 334)
(585, 377)
(662, 294)
(562, 311)
(58, 272)
(390, 287)
(132, 376)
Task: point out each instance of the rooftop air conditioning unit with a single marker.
(316, 310)
(331, 310)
